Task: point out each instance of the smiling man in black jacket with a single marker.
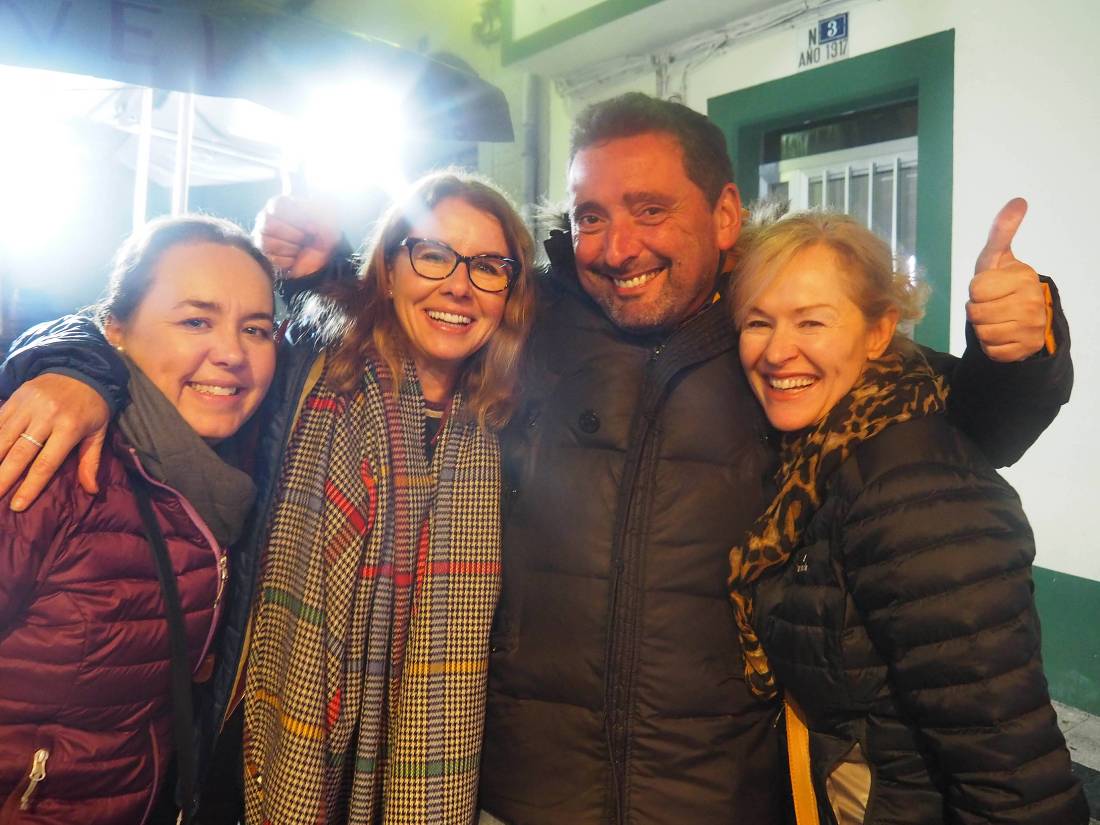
(616, 690)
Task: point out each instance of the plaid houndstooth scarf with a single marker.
(365, 692)
(891, 390)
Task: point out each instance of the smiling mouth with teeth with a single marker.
(793, 383)
(637, 280)
(210, 389)
(449, 317)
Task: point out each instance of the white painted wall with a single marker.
(531, 16)
(1027, 122)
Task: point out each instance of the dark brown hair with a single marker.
(706, 159)
(136, 260)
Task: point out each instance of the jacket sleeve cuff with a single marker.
(343, 265)
(1047, 374)
(116, 398)
(73, 346)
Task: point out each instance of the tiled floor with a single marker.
(1082, 732)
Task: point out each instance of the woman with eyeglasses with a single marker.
(366, 589)
(365, 690)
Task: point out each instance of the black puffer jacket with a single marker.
(615, 686)
(615, 689)
(906, 623)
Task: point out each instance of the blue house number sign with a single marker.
(825, 42)
(832, 29)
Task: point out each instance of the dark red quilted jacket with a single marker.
(84, 656)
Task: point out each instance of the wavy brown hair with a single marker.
(357, 319)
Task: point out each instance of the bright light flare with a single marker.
(256, 123)
(351, 139)
(41, 163)
(42, 172)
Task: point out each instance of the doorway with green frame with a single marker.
(920, 70)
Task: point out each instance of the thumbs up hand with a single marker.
(1007, 306)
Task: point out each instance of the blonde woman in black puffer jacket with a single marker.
(887, 590)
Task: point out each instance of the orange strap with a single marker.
(798, 762)
(1048, 339)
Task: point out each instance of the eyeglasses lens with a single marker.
(487, 272)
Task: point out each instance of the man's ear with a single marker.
(727, 217)
(880, 333)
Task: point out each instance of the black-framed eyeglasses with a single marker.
(436, 261)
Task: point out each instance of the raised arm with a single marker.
(62, 382)
(304, 242)
(1017, 371)
(299, 237)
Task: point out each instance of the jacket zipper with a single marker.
(37, 774)
(619, 688)
(220, 560)
(623, 610)
(223, 578)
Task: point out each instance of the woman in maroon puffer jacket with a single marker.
(85, 668)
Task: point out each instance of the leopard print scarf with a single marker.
(892, 389)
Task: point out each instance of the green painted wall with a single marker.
(921, 69)
(1069, 608)
(591, 18)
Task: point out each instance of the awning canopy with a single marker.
(244, 50)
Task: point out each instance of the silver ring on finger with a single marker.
(32, 439)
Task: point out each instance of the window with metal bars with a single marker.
(862, 163)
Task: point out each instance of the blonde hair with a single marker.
(359, 318)
(875, 282)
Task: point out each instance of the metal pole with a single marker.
(184, 133)
(208, 146)
(871, 195)
(896, 211)
(532, 100)
(141, 165)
